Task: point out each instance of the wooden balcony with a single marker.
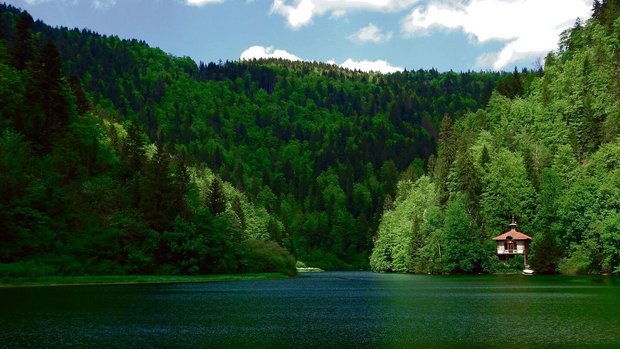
(515, 251)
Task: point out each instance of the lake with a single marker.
(333, 309)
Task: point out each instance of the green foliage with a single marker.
(267, 256)
(21, 50)
(217, 200)
(310, 139)
(30, 269)
(511, 86)
(578, 263)
(546, 151)
(462, 247)
(516, 263)
(406, 228)
(546, 253)
(81, 193)
(507, 192)
(608, 232)
(143, 163)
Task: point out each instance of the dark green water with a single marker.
(326, 310)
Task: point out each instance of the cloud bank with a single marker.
(261, 52)
(379, 66)
(528, 28)
(299, 13)
(370, 33)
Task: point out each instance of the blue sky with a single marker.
(381, 35)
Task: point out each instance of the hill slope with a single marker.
(318, 146)
(550, 158)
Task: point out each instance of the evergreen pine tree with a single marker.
(238, 209)
(83, 104)
(180, 183)
(485, 158)
(596, 9)
(2, 36)
(157, 191)
(21, 52)
(216, 200)
(133, 151)
(49, 89)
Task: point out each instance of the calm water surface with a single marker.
(339, 309)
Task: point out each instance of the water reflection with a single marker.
(320, 310)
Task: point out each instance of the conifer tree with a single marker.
(21, 51)
(596, 9)
(49, 88)
(238, 209)
(485, 158)
(445, 156)
(156, 195)
(82, 103)
(2, 36)
(133, 152)
(216, 200)
(181, 183)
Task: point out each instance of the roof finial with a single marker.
(513, 224)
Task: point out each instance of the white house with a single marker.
(512, 243)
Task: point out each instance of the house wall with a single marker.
(520, 247)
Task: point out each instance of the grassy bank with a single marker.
(131, 279)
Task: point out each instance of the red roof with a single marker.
(516, 235)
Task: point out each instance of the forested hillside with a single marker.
(83, 191)
(550, 158)
(313, 152)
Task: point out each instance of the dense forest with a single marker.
(549, 156)
(85, 191)
(116, 157)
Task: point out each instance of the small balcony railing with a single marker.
(514, 251)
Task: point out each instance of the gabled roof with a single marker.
(516, 235)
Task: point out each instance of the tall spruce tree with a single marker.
(216, 199)
(49, 91)
(21, 51)
(157, 192)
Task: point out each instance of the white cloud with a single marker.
(97, 4)
(528, 28)
(202, 2)
(370, 33)
(103, 4)
(337, 14)
(258, 52)
(380, 66)
(299, 13)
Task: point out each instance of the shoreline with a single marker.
(52, 281)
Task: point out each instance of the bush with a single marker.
(267, 256)
(511, 265)
(29, 269)
(516, 263)
(326, 260)
(578, 263)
